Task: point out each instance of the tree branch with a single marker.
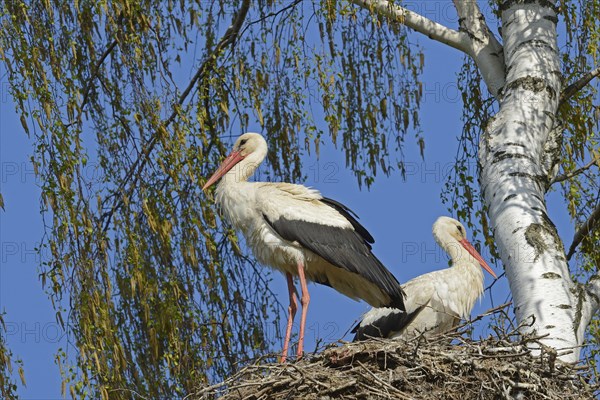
(88, 86)
(474, 37)
(427, 27)
(485, 50)
(593, 286)
(587, 227)
(593, 294)
(134, 172)
(272, 14)
(570, 175)
(587, 303)
(578, 85)
(228, 38)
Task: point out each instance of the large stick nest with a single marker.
(447, 366)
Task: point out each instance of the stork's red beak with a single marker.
(472, 251)
(232, 159)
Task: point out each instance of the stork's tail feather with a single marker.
(398, 299)
(383, 323)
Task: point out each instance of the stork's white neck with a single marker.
(458, 254)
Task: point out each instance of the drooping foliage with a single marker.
(8, 386)
(129, 106)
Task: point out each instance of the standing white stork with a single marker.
(437, 301)
(296, 230)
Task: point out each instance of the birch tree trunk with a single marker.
(513, 178)
(517, 155)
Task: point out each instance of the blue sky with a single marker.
(398, 213)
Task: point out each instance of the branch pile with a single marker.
(447, 366)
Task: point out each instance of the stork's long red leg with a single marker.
(304, 301)
(291, 313)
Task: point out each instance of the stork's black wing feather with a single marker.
(393, 322)
(351, 217)
(342, 247)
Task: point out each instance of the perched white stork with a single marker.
(437, 301)
(294, 229)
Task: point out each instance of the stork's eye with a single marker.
(460, 229)
(243, 142)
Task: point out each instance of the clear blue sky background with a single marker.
(398, 213)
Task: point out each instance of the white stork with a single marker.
(294, 229)
(437, 301)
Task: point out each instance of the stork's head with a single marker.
(250, 143)
(452, 237)
(248, 152)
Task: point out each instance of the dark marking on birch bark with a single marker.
(533, 84)
(551, 275)
(534, 237)
(538, 197)
(516, 230)
(591, 293)
(470, 34)
(558, 74)
(510, 196)
(538, 179)
(552, 150)
(551, 229)
(503, 155)
(549, 326)
(564, 306)
(551, 18)
(547, 227)
(580, 297)
(522, 175)
(534, 43)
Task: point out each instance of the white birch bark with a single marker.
(513, 181)
(517, 156)
(483, 47)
